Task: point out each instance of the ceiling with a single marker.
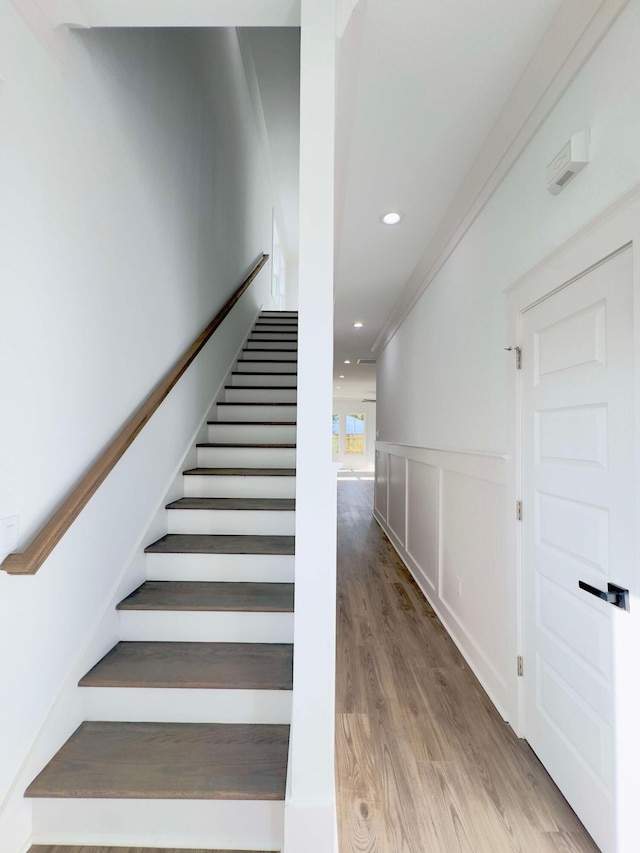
(420, 86)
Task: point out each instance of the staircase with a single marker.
(186, 738)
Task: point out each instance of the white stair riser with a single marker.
(254, 354)
(270, 335)
(252, 433)
(205, 824)
(188, 705)
(243, 522)
(204, 486)
(269, 326)
(240, 412)
(260, 366)
(246, 457)
(265, 568)
(264, 380)
(271, 345)
(206, 627)
(264, 395)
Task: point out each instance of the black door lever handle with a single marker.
(616, 595)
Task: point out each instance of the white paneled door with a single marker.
(577, 525)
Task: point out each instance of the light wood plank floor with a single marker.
(425, 764)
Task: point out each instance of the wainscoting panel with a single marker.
(472, 577)
(397, 514)
(445, 513)
(382, 483)
(422, 519)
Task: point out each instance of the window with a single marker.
(354, 434)
(335, 429)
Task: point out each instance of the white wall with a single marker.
(442, 379)
(133, 204)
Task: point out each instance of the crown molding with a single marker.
(576, 30)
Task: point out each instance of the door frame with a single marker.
(615, 229)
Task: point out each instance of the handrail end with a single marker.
(17, 564)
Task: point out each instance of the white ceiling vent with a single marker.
(572, 159)
(366, 361)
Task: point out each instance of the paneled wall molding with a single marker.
(487, 465)
(575, 32)
(445, 514)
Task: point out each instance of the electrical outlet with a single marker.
(8, 535)
(459, 587)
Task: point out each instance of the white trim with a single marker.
(471, 463)
(622, 206)
(575, 32)
(385, 445)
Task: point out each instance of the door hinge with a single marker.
(520, 665)
(519, 510)
(518, 353)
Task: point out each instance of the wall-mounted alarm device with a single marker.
(570, 160)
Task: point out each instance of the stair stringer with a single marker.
(18, 827)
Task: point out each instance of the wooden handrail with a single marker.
(29, 561)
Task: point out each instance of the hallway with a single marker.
(424, 762)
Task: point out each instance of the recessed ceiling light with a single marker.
(346, 361)
(337, 387)
(392, 218)
(341, 376)
(358, 325)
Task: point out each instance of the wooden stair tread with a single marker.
(234, 666)
(240, 472)
(168, 761)
(209, 543)
(269, 360)
(263, 445)
(66, 848)
(261, 504)
(244, 596)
